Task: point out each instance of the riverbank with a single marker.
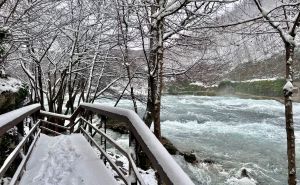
(239, 95)
(250, 89)
(256, 97)
(295, 98)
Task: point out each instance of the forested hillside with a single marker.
(272, 67)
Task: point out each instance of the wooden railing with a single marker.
(16, 117)
(25, 146)
(169, 171)
(130, 178)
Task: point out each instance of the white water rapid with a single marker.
(234, 133)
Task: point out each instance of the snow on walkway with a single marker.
(65, 160)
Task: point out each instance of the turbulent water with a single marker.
(234, 133)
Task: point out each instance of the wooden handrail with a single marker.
(21, 167)
(117, 146)
(170, 172)
(12, 118)
(17, 150)
(163, 162)
(55, 115)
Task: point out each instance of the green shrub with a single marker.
(260, 88)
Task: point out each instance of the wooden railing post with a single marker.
(72, 125)
(90, 115)
(20, 128)
(35, 117)
(104, 125)
(133, 154)
(103, 140)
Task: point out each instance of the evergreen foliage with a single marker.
(260, 88)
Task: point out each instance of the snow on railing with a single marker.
(16, 117)
(134, 174)
(20, 150)
(24, 147)
(169, 171)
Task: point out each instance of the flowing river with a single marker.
(234, 133)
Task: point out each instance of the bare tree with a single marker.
(285, 18)
(166, 20)
(67, 49)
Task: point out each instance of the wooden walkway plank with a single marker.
(65, 160)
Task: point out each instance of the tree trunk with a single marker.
(159, 79)
(60, 98)
(150, 103)
(148, 117)
(289, 117)
(155, 78)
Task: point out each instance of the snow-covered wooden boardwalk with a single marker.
(69, 159)
(65, 160)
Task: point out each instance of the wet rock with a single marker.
(190, 157)
(244, 173)
(117, 126)
(169, 146)
(208, 161)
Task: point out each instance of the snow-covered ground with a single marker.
(256, 80)
(65, 160)
(5, 181)
(69, 160)
(122, 162)
(201, 84)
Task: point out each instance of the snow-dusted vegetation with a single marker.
(10, 85)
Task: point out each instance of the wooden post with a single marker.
(103, 140)
(91, 121)
(72, 126)
(35, 117)
(133, 154)
(20, 128)
(28, 121)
